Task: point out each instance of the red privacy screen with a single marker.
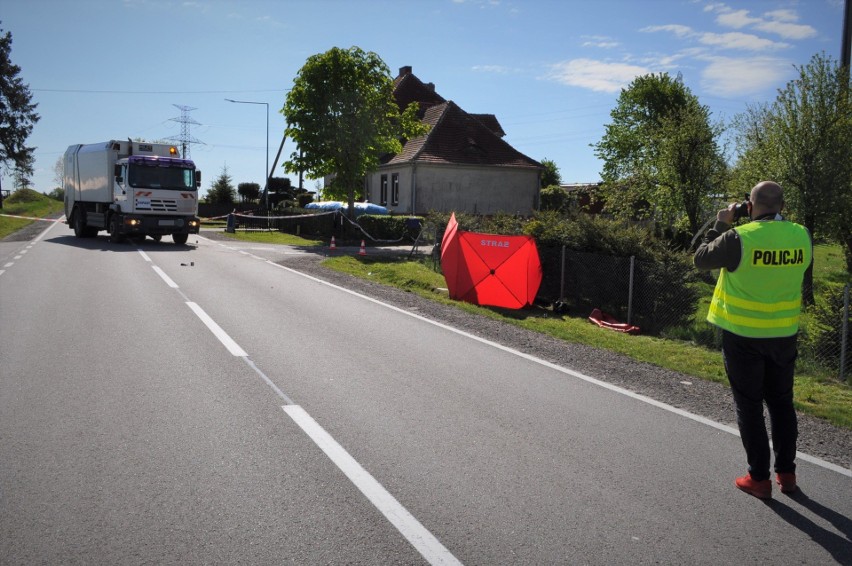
(488, 269)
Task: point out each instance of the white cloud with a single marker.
(736, 19)
(599, 76)
(786, 30)
(724, 76)
(677, 29)
(500, 69)
(730, 40)
(780, 22)
(742, 41)
(600, 41)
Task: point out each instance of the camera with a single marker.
(741, 209)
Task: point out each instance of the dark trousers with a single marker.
(761, 369)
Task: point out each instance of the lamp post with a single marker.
(266, 172)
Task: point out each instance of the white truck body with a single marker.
(130, 189)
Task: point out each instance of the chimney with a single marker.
(430, 87)
(405, 70)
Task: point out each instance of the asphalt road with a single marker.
(201, 404)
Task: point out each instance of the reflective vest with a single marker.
(763, 297)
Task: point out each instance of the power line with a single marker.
(84, 91)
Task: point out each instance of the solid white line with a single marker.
(46, 230)
(420, 538)
(217, 331)
(698, 418)
(165, 277)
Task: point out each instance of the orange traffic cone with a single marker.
(333, 246)
(363, 250)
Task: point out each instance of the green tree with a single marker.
(803, 140)
(661, 158)
(550, 175)
(17, 113)
(222, 190)
(249, 192)
(343, 117)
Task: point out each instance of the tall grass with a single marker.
(26, 202)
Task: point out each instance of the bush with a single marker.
(24, 195)
(554, 198)
(391, 228)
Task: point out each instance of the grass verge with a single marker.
(274, 238)
(26, 202)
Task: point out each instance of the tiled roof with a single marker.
(407, 88)
(490, 121)
(456, 137)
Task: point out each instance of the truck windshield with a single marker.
(159, 177)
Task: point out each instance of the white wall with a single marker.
(448, 188)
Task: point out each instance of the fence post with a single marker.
(562, 278)
(630, 292)
(844, 333)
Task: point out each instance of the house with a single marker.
(462, 164)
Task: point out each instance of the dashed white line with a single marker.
(420, 538)
(217, 331)
(416, 534)
(165, 277)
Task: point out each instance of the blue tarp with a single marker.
(360, 207)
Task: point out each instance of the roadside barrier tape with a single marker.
(34, 218)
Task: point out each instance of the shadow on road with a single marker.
(840, 547)
(102, 243)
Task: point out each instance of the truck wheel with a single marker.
(79, 223)
(114, 236)
(180, 239)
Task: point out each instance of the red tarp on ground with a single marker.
(490, 270)
(605, 320)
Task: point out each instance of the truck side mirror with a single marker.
(197, 179)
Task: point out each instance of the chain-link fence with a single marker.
(670, 299)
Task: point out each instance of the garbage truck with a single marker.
(130, 189)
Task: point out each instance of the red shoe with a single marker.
(787, 481)
(760, 489)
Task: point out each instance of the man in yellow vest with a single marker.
(756, 303)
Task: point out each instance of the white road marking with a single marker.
(217, 331)
(413, 531)
(165, 277)
(10, 264)
(420, 538)
(144, 255)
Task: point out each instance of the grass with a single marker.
(26, 202)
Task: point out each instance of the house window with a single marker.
(395, 189)
(383, 196)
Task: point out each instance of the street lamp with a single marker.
(266, 172)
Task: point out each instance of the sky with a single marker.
(550, 70)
